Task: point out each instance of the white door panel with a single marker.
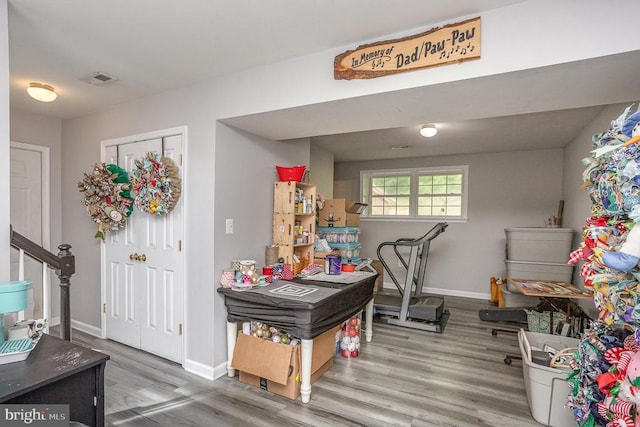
(26, 219)
(145, 301)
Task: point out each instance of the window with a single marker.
(421, 193)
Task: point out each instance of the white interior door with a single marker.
(144, 298)
(26, 218)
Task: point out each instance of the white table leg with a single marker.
(369, 320)
(305, 380)
(232, 335)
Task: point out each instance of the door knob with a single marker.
(142, 257)
(133, 257)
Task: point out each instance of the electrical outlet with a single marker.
(229, 226)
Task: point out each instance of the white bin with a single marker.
(527, 270)
(539, 244)
(515, 298)
(546, 388)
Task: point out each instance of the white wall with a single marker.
(47, 132)
(511, 189)
(4, 142)
(509, 43)
(552, 33)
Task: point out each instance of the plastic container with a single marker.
(517, 299)
(546, 388)
(350, 251)
(13, 296)
(350, 339)
(539, 244)
(332, 265)
(338, 234)
(538, 271)
(293, 173)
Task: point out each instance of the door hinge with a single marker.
(180, 328)
(104, 308)
(179, 245)
(180, 159)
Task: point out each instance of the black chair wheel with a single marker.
(507, 360)
(494, 332)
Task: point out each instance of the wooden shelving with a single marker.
(294, 220)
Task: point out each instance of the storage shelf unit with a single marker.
(294, 220)
(343, 241)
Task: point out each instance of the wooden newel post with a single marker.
(67, 268)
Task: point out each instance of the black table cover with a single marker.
(304, 318)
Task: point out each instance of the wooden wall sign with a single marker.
(443, 45)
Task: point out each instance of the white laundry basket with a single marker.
(546, 388)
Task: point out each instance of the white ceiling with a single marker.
(63, 42)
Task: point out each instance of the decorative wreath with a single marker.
(156, 184)
(107, 197)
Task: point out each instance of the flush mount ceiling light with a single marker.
(428, 130)
(41, 92)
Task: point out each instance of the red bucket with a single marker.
(293, 173)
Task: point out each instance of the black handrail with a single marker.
(63, 263)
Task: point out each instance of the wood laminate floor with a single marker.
(403, 377)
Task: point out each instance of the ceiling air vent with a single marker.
(101, 79)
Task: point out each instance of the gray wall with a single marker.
(510, 189)
(244, 175)
(4, 141)
(321, 167)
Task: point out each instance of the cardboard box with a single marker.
(340, 213)
(379, 284)
(291, 389)
(276, 367)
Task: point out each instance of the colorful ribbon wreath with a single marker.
(156, 184)
(107, 197)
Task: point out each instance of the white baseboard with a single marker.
(86, 328)
(200, 369)
(446, 292)
(197, 368)
(220, 371)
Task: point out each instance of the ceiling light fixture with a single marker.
(428, 130)
(41, 92)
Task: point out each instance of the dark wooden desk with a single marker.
(58, 372)
(304, 319)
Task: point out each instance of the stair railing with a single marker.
(64, 265)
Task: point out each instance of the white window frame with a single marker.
(367, 175)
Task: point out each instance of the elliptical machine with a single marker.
(411, 309)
